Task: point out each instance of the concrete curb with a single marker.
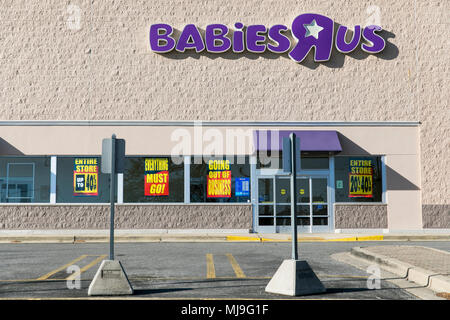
(73, 237)
(426, 278)
(420, 237)
(126, 238)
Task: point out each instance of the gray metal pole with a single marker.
(112, 196)
(293, 197)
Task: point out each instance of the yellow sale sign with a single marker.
(360, 178)
(85, 177)
(219, 179)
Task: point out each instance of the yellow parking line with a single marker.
(303, 239)
(210, 270)
(371, 238)
(90, 265)
(243, 238)
(48, 275)
(237, 269)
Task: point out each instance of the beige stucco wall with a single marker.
(360, 216)
(403, 191)
(105, 70)
(127, 216)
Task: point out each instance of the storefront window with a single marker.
(153, 179)
(224, 179)
(25, 179)
(269, 160)
(358, 179)
(309, 162)
(79, 180)
(274, 160)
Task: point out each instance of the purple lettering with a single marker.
(376, 41)
(238, 38)
(283, 43)
(342, 45)
(312, 30)
(211, 38)
(254, 38)
(190, 38)
(156, 37)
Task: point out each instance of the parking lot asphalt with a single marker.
(185, 270)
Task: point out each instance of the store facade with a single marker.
(203, 95)
(212, 175)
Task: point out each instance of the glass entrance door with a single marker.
(274, 206)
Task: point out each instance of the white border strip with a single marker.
(53, 167)
(187, 179)
(119, 188)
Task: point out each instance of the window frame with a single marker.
(247, 162)
(278, 154)
(383, 180)
(36, 198)
(187, 161)
(121, 182)
(54, 188)
(7, 180)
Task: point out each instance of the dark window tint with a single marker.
(153, 179)
(202, 172)
(25, 179)
(79, 180)
(358, 179)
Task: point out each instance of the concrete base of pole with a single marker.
(295, 278)
(110, 280)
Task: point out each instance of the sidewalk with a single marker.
(77, 236)
(425, 266)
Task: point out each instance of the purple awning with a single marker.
(311, 140)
